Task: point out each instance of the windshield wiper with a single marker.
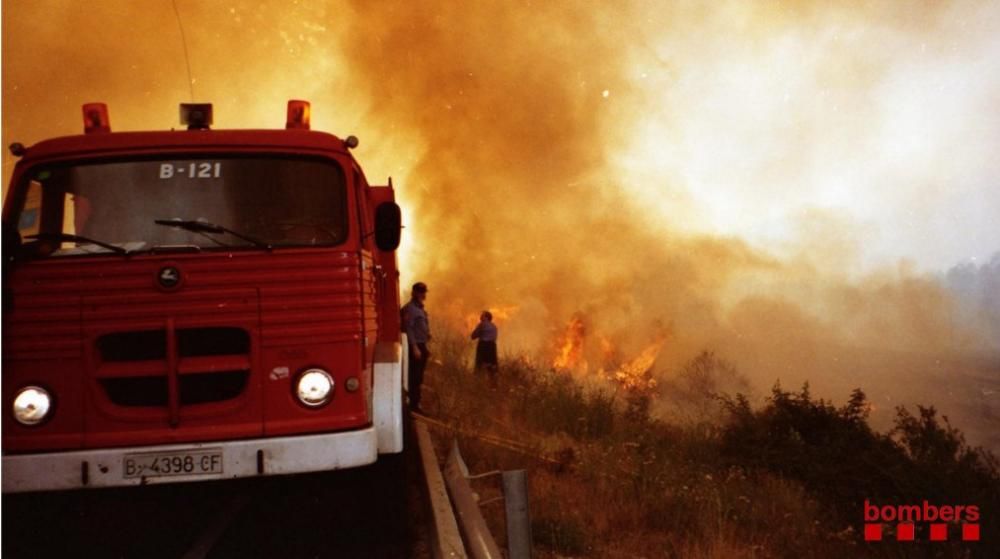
(60, 237)
(199, 226)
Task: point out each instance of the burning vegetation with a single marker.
(632, 374)
(667, 200)
(720, 478)
(587, 173)
(569, 346)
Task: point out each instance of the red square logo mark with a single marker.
(939, 532)
(873, 532)
(970, 532)
(904, 532)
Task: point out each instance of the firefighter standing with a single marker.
(486, 349)
(418, 333)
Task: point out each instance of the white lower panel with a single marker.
(105, 467)
(389, 406)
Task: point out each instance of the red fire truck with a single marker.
(197, 304)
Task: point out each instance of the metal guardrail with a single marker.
(447, 542)
(479, 542)
(477, 533)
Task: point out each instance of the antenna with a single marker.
(187, 59)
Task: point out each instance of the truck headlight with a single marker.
(32, 405)
(315, 387)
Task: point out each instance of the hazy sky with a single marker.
(869, 126)
(873, 122)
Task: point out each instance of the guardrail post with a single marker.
(515, 494)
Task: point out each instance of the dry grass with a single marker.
(606, 481)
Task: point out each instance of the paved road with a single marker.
(366, 513)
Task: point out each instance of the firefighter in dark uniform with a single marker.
(486, 349)
(418, 333)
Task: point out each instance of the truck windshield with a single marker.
(280, 201)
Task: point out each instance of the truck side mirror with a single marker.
(388, 226)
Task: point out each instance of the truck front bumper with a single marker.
(242, 458)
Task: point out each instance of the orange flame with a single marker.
(637, 373)
(569, 349)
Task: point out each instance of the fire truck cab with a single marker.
(197, 304)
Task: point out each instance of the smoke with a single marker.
(719, 177)
(977, 290)
(764, 180)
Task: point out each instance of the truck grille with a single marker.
(214, 366)
(147, 345)
(194, 388)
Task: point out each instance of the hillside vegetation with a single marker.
(714, 475)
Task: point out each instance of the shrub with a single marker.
(836, 454)
(695, 392)
(787, 478)
(556, 403)
(564, 535)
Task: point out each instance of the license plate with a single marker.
(206, 461)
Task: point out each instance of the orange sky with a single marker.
(770, 180)
(870, 127)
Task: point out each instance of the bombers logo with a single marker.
(905, 517)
